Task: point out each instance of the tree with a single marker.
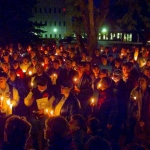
(131, 15)
(15, 24)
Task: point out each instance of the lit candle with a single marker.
(52, 112)
(30, 73)
(1, 103)
(18, 75)
(32, 84)
(134, 97)
(24, 71)
(92, 104)
(42, 64)
(99, 86)
(10, 106)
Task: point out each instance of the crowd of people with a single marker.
(61, 98)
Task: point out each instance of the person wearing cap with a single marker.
(40, 74)
(38, 100)
(18, 83)
(9, 97)
(7, 58)
(66, 104)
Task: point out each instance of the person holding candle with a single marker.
(8, 93)
(38, 111)
(83, 89)
(66, 104)
(107, 106)
(139, 112)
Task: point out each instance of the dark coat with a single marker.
(64, 143)
(107, 107)
(70, 107)
(85, 86)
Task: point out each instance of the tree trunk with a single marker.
(92, 38)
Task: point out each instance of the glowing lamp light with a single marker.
(55, 30)
(104, 30)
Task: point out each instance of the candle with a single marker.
(99, 86)
(1, 103)
(30, 73)
(32, 84)
(75, 79)
(42, 64)
(24, 71)
(18, 75)
(92, 104)
(52, 112)
(10, 106)
(134, 97)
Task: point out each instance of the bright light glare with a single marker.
(55, 30)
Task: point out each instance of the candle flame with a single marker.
(75, 79)
(30, 72)
(92, 100)
(134, 97)
(52, 112)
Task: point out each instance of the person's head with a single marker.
(42, 84)
(87, 66)
(39, 69)
(103, 73)
(96, 69)
(117, 75)
(97, 143)
(110, 58)
(81, 67)
(5, 67)
(117, 62)
(148, 62)
(97, 52)
(34, 61)
(25, 60)
(56, 64)
(146, 71)
(143, 81)
(126, 68)
(3, 78)
(15, 64)
(12, 75)
(56, 127)
(93, 125)
(68, 64)
(66, 87)
(33, 53)
(77, 122)
(105, 83)
(104, 59)
(17, 130)
(6, 56)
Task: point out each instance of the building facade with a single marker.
(51, 13)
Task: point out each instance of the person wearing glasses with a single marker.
(66, 104)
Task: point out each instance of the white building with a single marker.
(51, 13)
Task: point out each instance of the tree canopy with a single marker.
(15, 23)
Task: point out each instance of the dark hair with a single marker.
(93, 124)
(135, 146)
(81, 121)
(17, 128)
(58, 126)
(97, 143)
